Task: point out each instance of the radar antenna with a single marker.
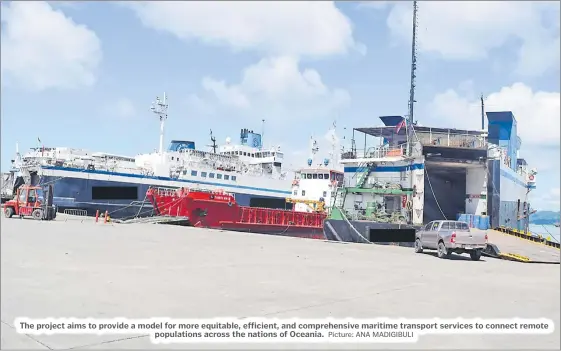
(213, 141)
(160, 108)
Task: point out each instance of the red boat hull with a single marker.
(219, 210)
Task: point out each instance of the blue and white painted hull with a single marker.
(80, 189)
(507, 196)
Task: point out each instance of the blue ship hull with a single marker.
(77, 193)
(506, 198)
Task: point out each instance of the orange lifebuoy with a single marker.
(531, 177)
(295, 182)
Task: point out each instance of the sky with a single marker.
(84, 74)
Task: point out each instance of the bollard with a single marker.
(96, 216)
(105, 217)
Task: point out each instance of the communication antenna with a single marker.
(413, 76)
(213, 141)
(482, 113)
(160, 108)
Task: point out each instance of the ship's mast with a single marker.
(313, 150)
(413, 76)
(410, 126)
(482, 113)
(334, 145)
(213, 141)
(160, 108)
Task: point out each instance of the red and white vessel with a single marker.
(219, 210)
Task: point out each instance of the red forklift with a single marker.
(32, 200)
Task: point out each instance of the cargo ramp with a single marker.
(509, 247)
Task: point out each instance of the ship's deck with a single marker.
(77, 268)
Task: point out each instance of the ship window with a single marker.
(203, 174)
(308, 176)
(325, 176)
(185, 172)
(234, 178)
(194, 173)
(295, 192)
(332, 194)
(320, 176)
(314, 176)
(226, 177)
(172, 158)
(114, 193)
(252, 155)
(303, 192)
(218, 176)
(325, 194)
(211, 175)
(245, 153)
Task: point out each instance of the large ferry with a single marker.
(416, 175)
(446, 174)
(87, 181)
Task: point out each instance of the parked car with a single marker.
(449, 237)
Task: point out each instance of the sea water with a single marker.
(546, 230)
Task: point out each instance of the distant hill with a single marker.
(545, 217)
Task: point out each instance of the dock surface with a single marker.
(536, 252)
(77, 268)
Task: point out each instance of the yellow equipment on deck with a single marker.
(315, 205)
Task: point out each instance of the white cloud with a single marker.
(197, 106)
(228, 95)
(537, 112)
(469, 30)
(42, 48)
(279, 85)
(538, 119)
(298, 28)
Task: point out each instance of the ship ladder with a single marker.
(363, 172)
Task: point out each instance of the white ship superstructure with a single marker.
(314, 187)
(94, 181)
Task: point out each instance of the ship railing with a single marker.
(76, 212)
(379, 216)
(452, 139)
(377, 152)
(164, 191)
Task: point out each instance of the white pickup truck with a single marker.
(449, 237)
